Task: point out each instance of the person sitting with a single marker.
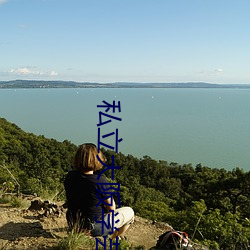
(82, 191)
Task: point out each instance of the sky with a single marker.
(125, 40)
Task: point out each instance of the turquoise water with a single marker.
(207, 126)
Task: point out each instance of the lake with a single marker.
(207, 126)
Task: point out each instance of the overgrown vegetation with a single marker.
(212, 205)
(76, 241)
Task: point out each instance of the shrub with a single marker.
(18, 202)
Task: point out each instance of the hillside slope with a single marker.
(25, 229)
(181, 195)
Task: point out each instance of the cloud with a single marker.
(22, 71)
(53, 73)
(218, 70)
(31, 71)
(211, 72)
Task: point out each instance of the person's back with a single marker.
(84, 195)
(81, 192)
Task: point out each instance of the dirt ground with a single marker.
(25, 229)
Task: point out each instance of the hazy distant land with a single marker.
(71, 84)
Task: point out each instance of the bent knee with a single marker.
(129, 214)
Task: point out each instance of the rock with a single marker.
(47, 207)
(36, 205)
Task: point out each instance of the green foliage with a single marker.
(8, 186)
(126, 197)
(227, 230)
(18, 202)
(153, 210)
(5, 199)
(76, 241)
(124, 245)
(212, 205)
(37, 162)
(216, 230)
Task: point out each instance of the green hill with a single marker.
(211, 204)
(38, 163)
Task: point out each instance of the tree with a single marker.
(237, 189)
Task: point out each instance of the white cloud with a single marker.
(31, 71)
(53, 73)
(22, 71)
(218, 70)
(211, 72)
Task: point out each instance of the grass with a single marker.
(14, 201)
(83, 240)
(19, 202)
(52, 195)
(75, 241)
(5, 200)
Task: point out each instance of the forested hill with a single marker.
(71, 84)
(37, 162)
(213, 204)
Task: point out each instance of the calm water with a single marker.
(207, 126)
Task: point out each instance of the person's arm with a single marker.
(110, 207)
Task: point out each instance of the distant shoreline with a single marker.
(21, 84)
